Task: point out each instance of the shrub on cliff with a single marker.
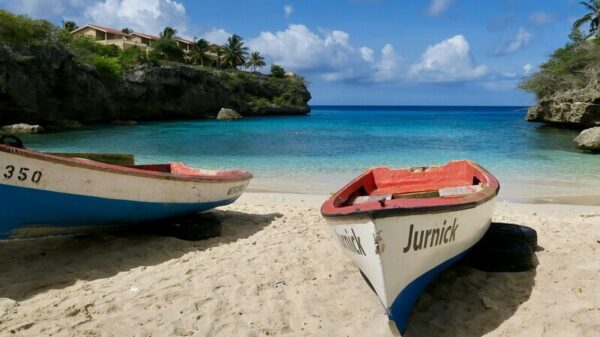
(20, 31)
(132, 56)
(166, 49)
(106, 65)
(569, 67)
(84, 46)
(277, 71)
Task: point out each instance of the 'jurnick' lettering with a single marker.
(351, 242)
(431, 237)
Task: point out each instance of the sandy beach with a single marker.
(276, 272)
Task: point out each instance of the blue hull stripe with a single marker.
(21, 207)
(404, 302)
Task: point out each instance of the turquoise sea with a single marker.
(320, 151)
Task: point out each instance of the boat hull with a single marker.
(44, 195)
(401, 254)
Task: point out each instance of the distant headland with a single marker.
(94, 74)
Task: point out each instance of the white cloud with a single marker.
(449, 60)
(288, 10)
(328, 54)
(301, 49)
(541, 18)
(148, 16)
(527, 69)
(216, 35)
(437, 7)
(367, 54)
(387, 68)
(520, 41)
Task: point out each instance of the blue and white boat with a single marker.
(45, 194)
(403, 227)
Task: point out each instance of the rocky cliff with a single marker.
(45, 84)
(576, 108)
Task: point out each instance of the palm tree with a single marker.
(255, 61)
(69, 26)
(127, 30)
(199, 48)
(168, 33)
(235, 52)
(593, 17)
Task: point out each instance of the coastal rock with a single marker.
(228, 114)
(589, 139)
(21, 128)
(41, 85)
(577, 108)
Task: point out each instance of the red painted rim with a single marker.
(220, 176)
(409, 206)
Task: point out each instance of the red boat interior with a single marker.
(455, 182)
(173, 168)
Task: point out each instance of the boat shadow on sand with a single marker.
(467, 302)
(32, 266)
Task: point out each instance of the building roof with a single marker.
(184, 40)
(102, 29)
(147, 36)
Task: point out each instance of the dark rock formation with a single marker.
(45, 84)
(577, 108)
(589, 139)
(228, 114)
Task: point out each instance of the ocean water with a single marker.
(321, 151)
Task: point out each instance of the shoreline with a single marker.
(543, 192)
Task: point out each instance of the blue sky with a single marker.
(379, 52)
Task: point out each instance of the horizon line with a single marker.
(425, 105)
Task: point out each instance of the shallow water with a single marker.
(321, 151)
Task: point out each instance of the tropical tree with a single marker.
(199, 49)
(235, 53)
(593, 17)
(255, 61)
(168, 33)
(277, 71)
(69, 25)
(127, 30)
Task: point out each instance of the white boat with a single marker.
(46, 194)
(403, 227)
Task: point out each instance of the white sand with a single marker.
(275, 271)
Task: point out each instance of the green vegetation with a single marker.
(255, 61)
(166, 49)
(106, 65)
(575, 64)
(199, 51)
(21, 32)
(277, 71)
(235, 52)
(593, 17)
(69, 26)
(569, 67)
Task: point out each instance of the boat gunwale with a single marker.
(328, 210)
(226, 176)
